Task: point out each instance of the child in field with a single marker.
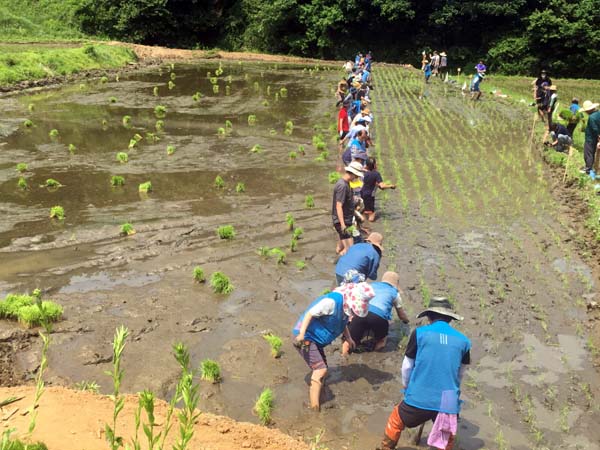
(371, 181)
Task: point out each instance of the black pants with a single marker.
(589, 152)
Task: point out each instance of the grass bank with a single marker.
(20, 63)
(519, 89)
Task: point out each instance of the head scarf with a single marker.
(356, 298)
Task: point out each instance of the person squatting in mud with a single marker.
(325, 320)
(434, 363)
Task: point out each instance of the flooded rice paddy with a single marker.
(472, 217)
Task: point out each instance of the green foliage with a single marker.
(334, 177)
(122, 157)
(251, 120)
(127, 229)
(160, 111)
(52, 183)
(155, 91)
(226, 232)
(117, 180)
(240, 188)
(292, 155)
(159, 125)
(112, 99)
(221, 131)
(199, 274)
(279, 255)
(171, 85)
(27, 123)
(309, 201)
(145, 187)
(170, 149)
(72, 149)
(22, 183)
(210, 371)
(297, 234)
(26, 310)
(219, 182)
(275, 342)
(88, 386)
(57, 212)
(114, 440)
(322, 156)
(215, 88)
(319, 142)
(264, 406)
(301, 150)
(289, 219)
(283, 92)
(220, 284)
(264, 251)
(126, 121)
(21, 167)
(256, 149)
(228, 125)
(54, 133)
(197, 96)
(300, 265)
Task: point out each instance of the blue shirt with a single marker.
(362, 257)
(574, 108)
(365, 76)
(383, 302)
(434, 381)
(324, 330)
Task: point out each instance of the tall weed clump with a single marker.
(114, 440)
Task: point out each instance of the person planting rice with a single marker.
(323, 321)
(434, 363)
(560, 138)
(364, 258)
(371, 181)
(377, 321)
(357, 149)
(342, 210)
(591, 147)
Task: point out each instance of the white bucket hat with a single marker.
(356, 168)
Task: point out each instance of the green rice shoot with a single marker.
(278, 254)
(88, 386)
(72, 149)
(160, 111)
(275, 342)
(145, 187)
(220, 284)
(21, 167)
(54, 133)
(293, 155)
(126, 121)
(22, 183)
(226, 232)
(27, 123)
(264, 406)
(297, 234)
(257, 148)
(334, 177)
(251, 120)
(309, 201)
(289, 219)
(199, 276)
(240, 188)
(210, 371)
(170, 149)
(219, 183)
(117, 180)
(122, 157)
(23, 308)
(300, 265)
(52, 183)
(57, 212)
(127, 229)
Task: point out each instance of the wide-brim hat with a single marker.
(588, 106)
(376, 239)
(441, 305)
(443, 54)
(355, 168)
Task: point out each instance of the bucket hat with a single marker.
(440, 305)
(588, 106)
(356, 298)
(355, 168)
(376, 239)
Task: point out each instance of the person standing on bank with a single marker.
(323, 321)
(387, 297)
(591, 147)
(539, 91)
(342, 209)
(434, 364)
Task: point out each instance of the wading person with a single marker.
(435, 360)
(323, 322)
(371, 182)
(591, 147)
(377, 321)
(342, 209)
(364, 258)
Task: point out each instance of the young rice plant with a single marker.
(220, 284)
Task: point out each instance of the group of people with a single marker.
(435, 64)
(561, 136)
(436, 354)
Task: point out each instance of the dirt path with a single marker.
(75, 420)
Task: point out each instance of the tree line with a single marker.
(513, 37)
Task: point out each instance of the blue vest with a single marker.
(325, 329)
(361, 257)
(434, 383)
(383, 302)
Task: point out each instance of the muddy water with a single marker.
(472, 218)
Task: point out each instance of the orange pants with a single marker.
(394, 428)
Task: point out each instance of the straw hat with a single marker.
(553, 87)
(376, 239)
(443, 54)
(356, 168)
(589, 106)
(391, 278)
(441, 305)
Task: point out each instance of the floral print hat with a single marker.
(356, 298)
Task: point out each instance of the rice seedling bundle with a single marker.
(57, 212)
(226, 232)
(215, 88)
(219, 183)
(160, 111)
(170, 149)
(127, 229)
(171, 85)
(240, 187)
(126, 121)
(309, 201)
(22, 183)
(283, 92)
(264, 406)
(52, 183)
(72, 149)
(334, 177)
(196, 97)
(256, 149)
(117, 180)
(21, 167)
(198, 274)
(122, 157)
(210, 371)
(54, 133)
(275, 342)
(159, 125)
(28, 123)
(300, 265)
(251, 120)
(278, 254)
(220, 284)
(145, 187)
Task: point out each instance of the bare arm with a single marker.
(305, 322)
(348, 338)
(402, 314)
(383, 185)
